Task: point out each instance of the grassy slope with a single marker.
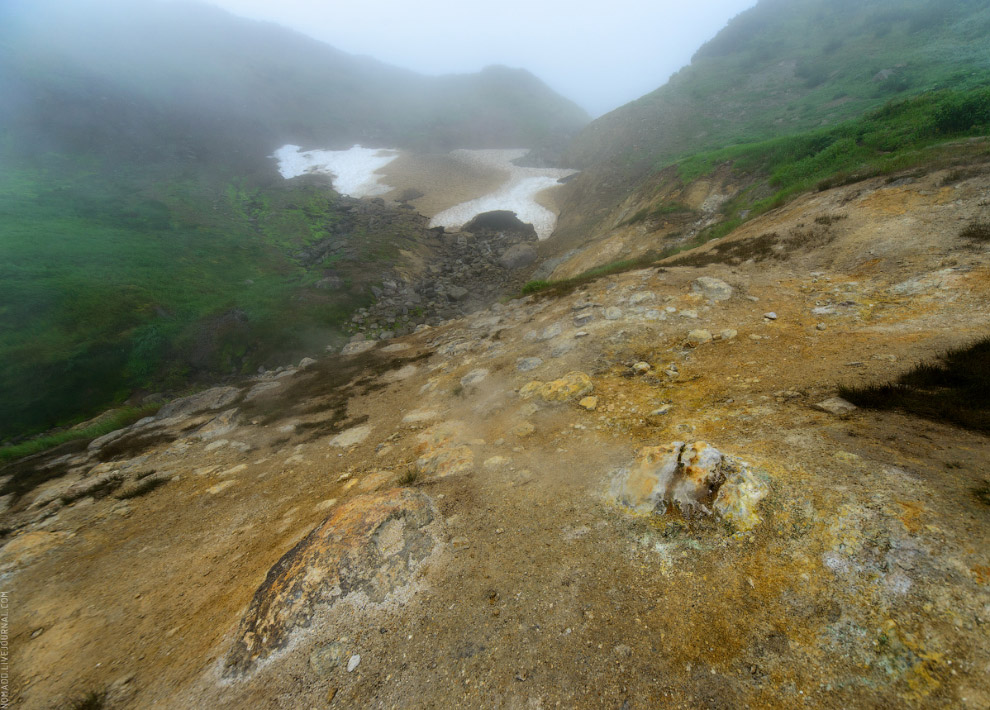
(783, 68)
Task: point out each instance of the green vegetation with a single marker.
(900, 135)
(954, 389)
(977, 232)
(115, 284)
(806, 73)
(663, 210)
(565, 286)
(146, 241)
(124, 417)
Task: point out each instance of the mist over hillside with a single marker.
(148, 240)
(781, 68)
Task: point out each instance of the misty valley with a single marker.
(329, 383)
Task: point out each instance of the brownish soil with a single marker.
(866, 583)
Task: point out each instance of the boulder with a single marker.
(518, 256)
(691, 477)
(712, 289)
(369, 547)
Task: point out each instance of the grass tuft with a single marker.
(126, 416)
(977, 232)
(565, 286)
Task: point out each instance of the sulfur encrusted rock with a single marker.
(573, 385)
(696, 478)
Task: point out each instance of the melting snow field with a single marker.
(353, 171)
(354, 174)
(517, 194)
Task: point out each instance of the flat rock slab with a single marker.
(370, 546)
(352, 436)
(215, 398)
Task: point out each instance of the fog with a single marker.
(600, 55)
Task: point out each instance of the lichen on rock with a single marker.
(573, 385)
(696, 478)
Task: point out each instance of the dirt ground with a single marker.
(865, 584)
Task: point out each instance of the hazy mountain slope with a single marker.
(260, 77)
(146, 238)
(782, 67)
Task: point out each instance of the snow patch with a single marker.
(353, 170)
(517, 194)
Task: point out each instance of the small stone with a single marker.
(457, 293)
(728, 334)
(642, 297)
(770, 316)
(460, 543)
(550, 332)
(353, 663)
(352, 436)
(523, 429)
(688, 314)
(581, 334)
(660, 411)
(325, 658)
(525, 364)
(583, 318)
(613, 313)
(711, 288)
(358, 347)
(306, 362)
(698, 337)
(821, 326)
(836, 406)
(641, 368)
(474, 377)
(622, 651)
(589, 403)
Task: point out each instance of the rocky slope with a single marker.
(513, 509)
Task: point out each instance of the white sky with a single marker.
(600, 55)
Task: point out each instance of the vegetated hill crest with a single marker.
(781, 68)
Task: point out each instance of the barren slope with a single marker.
(508, 575)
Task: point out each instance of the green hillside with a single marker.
(782, 68)
(146, 240)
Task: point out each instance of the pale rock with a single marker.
(712, 289)
(474, 377)
(352, 436)
(641, 368)
(698, 337)
(357, 347)
(215, 398)
(523, 429)
(836, 405)
(589, 403)
(613, 313)
(525, 364)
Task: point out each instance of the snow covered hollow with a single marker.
(517, 194)
(354, 174)
(353, 170)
